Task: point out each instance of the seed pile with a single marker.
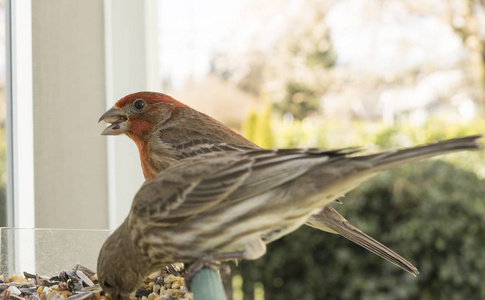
(158, 286)
(81, 283)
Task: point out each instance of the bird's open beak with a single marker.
(119, 122)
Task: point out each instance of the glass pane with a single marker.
(48, 251)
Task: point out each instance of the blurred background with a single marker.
(378, 74)
(317, 73)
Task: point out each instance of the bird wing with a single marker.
(202, 146)
(189, 187)
(196, 184)
(273, 168)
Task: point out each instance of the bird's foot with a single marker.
(252, 250)
(210, 261)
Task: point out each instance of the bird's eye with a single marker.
(139, 104)
(107, 284)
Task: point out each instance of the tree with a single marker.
(292, 69)
(297, 75)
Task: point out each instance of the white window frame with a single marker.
(19, 124)
(19, 128)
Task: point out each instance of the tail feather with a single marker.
(331, 221)
(389, 159)
(357, 169)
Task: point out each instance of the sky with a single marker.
(389, 38)
(368, 35)
(191, 30)
(188, 31)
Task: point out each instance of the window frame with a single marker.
(19, 118)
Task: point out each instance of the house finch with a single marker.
(165, 131)
(230, 204)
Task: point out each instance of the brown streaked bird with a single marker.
(230, 204)
(166, 131)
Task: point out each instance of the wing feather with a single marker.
(196, 184)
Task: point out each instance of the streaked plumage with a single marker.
(236, 202)
(166, 131)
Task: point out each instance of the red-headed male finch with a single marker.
(230, 204)
(166, 131)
